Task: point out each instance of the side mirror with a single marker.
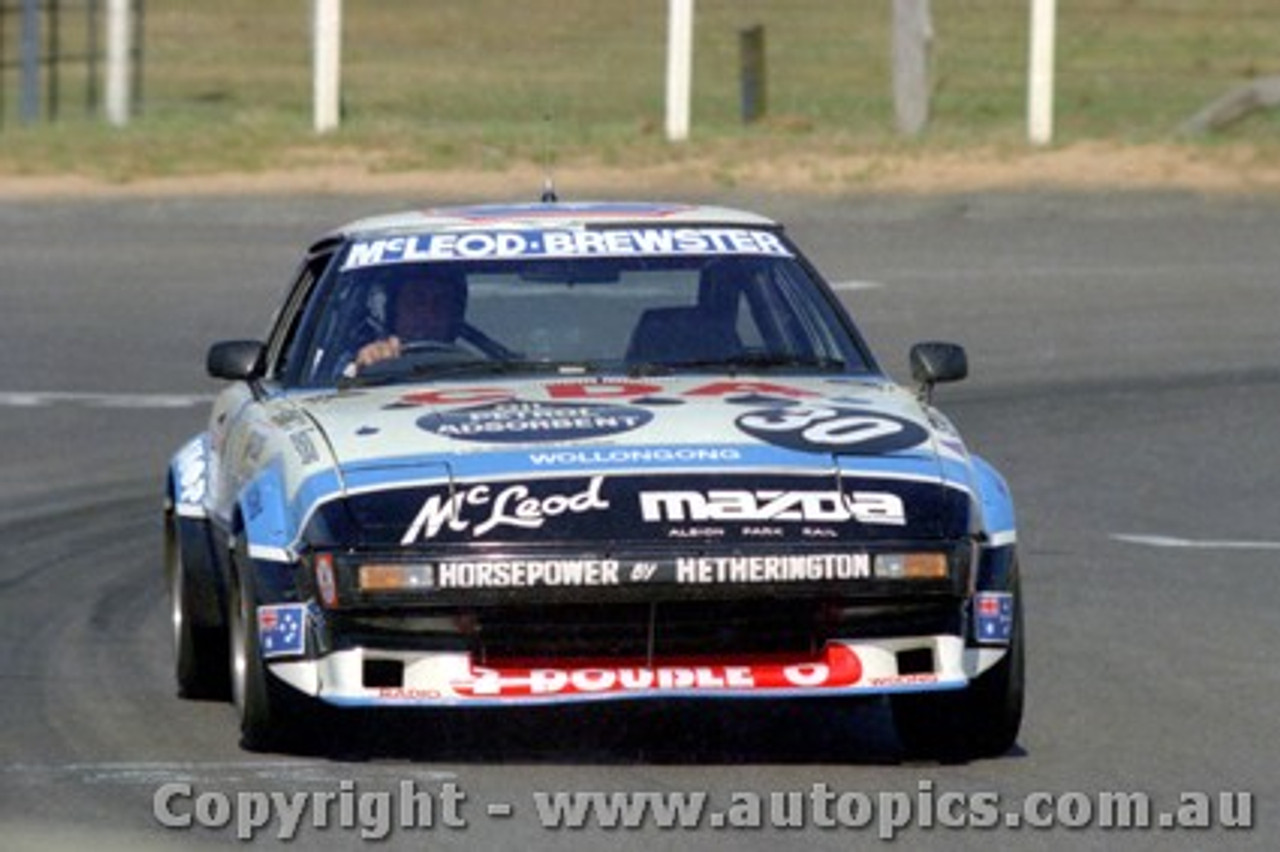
(934, 363)
(236, 360)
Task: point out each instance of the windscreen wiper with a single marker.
(742, 362)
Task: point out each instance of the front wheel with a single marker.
(272, 716)
(979, 721)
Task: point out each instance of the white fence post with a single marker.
(1040, 77)
(119, 28)
(326, 61)
(679, 68)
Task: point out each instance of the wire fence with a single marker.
(51, 58)
(1127, 68)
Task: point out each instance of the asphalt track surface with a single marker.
(1125, 376)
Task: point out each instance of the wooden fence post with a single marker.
(326, 61)
(1040, 83)
(119, 53)
(679, 68)
(752, 74)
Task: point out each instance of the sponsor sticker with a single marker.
(305, 447)
(600, 506)
(684, 570)
(993, 616)
(563, 243)
(624, 391)
(750, 506)
(527, 573)
(192, 476)
(637, 456)
(521, 421)
(483, 508)
(282, 630)
(826, 429)
(839, 666)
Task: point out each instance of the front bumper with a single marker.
(362, 677)
(729, 641)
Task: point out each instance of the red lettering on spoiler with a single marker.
(838, 667)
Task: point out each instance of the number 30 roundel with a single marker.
(835, 430)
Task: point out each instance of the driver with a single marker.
(424, 309)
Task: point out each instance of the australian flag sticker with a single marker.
(993, 616)
(282, 630)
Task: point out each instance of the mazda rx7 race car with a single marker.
(528, 454)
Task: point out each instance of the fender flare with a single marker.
(188, 530)
(999, 521)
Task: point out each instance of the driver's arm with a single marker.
(378, 350)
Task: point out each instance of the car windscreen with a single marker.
(635, 314)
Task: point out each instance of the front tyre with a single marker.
(200, 653)
(979, 721)
(272, 716)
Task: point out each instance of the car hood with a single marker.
(622, 458)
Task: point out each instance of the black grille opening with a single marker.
(915, 661)
(792, 626)
(564, 631)
(649, 631)
(383, 674)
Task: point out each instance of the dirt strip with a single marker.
(1088, 167)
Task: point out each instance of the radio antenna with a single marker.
(548, 179)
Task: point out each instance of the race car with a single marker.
(525, 454)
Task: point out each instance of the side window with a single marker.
(280, 344)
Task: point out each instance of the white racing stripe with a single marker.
(45, 399)
(1194, 544)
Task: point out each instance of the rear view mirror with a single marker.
(934, 362)
(235, 360)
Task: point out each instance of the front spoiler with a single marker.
(451, 679)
